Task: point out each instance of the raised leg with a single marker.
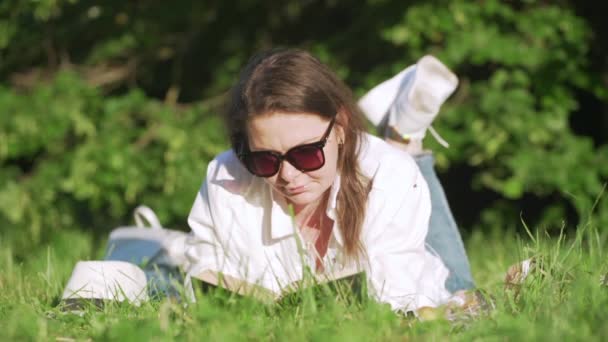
(404, 107)
(444, 238)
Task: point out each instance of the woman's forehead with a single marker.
(282, 131)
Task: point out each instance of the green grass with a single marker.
(563, 302)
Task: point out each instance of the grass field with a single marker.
(564, 301)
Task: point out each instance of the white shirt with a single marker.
(242, 231)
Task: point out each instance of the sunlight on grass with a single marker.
(562, 299)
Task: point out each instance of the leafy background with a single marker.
(106, 105)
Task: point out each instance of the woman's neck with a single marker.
(311, 209)
(316, 228)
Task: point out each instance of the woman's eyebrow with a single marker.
(315, 139)
(308, 141)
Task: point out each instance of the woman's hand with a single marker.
(463, 305)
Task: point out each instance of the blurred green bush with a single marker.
(72, 157)
(90, 126)
(520, 69)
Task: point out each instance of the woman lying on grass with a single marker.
(299, 148)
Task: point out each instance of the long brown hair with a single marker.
(293, 81)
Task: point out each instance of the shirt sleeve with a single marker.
(209, 249)
(402, 272)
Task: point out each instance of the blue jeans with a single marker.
(443, 237)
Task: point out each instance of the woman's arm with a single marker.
(402, 272)
(211, 247)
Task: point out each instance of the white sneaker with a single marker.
(106, 280)
(376, 102)
(411, 99)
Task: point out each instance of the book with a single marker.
(347, 280)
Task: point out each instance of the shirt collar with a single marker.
(281, 223)
(331, 211)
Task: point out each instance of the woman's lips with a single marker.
(296, 190)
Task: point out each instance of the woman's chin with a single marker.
(301, 199)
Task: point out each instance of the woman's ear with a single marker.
(341, 124)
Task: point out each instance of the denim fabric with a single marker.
(444, 238)
(161, 274)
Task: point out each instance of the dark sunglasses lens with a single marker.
(263, 164)
(307, 158)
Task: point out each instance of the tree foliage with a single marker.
(108, 105)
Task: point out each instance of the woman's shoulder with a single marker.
(227, 172)
(384, 163)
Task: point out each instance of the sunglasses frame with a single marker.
(285, 156)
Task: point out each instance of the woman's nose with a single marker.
(288, 172)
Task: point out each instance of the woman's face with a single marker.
(280, 132)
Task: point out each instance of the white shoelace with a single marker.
(438, 137)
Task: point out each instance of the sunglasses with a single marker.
(307, 157)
